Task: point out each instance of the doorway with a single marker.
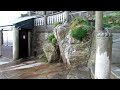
(23, 43)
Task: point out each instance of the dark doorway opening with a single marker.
(23, 43)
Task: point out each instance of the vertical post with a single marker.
(103, 49)
(98, 21)
(29, 13)
(67, 16)
(103, 55)
(29, 40)
(98, 28)
(15, 43)
(0, 42)
(45, 19)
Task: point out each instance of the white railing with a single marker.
(51, 19)
(60, 17)
(57, 17)
(39, 21)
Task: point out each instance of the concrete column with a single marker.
(103, 55)
(98, 21)
(67, 16)
(15, 44)
(29, 41)
(98, 28)
(45, 19)
(0, 42)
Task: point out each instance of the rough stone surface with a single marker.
(80, 72)
(73, 51)
(50, 52)
(38, 38)
(60, 33)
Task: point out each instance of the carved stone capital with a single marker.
(104, 34)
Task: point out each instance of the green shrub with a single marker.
(111, 20)
(52, 39)
(79, 33)
(78, 21)
(79, 28)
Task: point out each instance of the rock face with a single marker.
(60, 33)
(73, 51)
(50, 52)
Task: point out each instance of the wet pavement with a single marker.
(34, 69)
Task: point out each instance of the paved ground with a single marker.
(115, 70)
(34, 69)
(116, 48)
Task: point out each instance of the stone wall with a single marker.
(38, 37)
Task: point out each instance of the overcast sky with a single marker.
(8, 16)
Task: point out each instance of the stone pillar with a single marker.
(103, 55)
(29, 41)
(15, 44)
(98, 28)
(67, 16)
(0, 43)
(98, 21)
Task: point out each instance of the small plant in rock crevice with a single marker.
(52, 39)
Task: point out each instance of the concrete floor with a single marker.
(33, 69)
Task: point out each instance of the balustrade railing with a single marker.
(58, 17)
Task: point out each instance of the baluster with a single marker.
(55, 18)
(43, 21)
(48, 20)
(59, 17)
(38, 22)
(51, 19)
(34, 22)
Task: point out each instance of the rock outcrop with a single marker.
(50, 52)
(60, 33)
(73, 52)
